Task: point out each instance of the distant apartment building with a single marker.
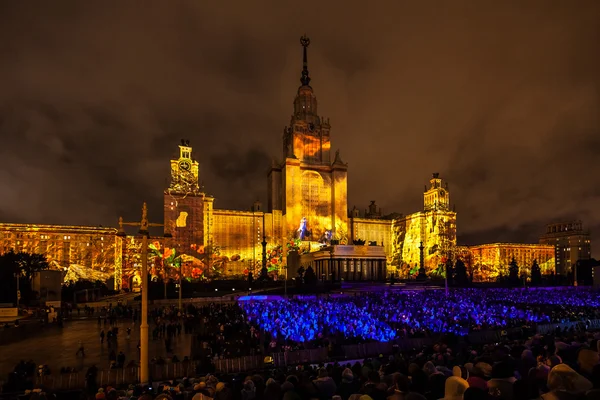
(571, 243)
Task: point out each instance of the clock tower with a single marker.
(436, 198)
(184, 171)
(187, 209)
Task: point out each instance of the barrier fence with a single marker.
(320, 355)
(124, 376)
(117, 377)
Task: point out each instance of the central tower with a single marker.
(309, 186)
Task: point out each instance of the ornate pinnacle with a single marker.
(144, 224)
(304, 41)
(305, 79)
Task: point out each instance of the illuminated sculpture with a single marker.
(326, 237)
(303, 232)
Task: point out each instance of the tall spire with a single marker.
(305, 79)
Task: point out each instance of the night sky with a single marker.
(502, 100)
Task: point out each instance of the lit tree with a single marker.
(167, 263)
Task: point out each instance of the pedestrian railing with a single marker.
(77, 380)
(169, 370)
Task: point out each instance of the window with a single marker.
(315, 196)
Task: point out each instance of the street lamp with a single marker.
(17, 275)
(144, 226)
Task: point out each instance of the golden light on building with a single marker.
(81, 252)
(489, 261)
(307, 207)
(429, 234)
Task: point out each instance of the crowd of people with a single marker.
(564, 367)
(390, 315)
(522, 368)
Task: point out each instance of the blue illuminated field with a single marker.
(389, 315)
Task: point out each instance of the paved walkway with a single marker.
(57, 347)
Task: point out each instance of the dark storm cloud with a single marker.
(234, 164)
(501, 98)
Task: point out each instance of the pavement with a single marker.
(11, 320)
(57, 347)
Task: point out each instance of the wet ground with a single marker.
(57, 347)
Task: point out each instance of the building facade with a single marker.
(347, 262)
(307, 210)
(80, 252)
(426, 238)
(571, 243)
(489, 261)
(309, 186)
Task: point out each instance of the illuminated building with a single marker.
(239, 234)
(489, 261)
(131, 250)
(197, 228)
(93, 253)
(373, 226)
(309, 186)
(347, 262)
(307, 211)
(428, 237)
(187, 209)
(571, 242)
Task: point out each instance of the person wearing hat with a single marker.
(455, 388)
(503, 379)
(586, 359)
(348, 385)
(202, 392)
(400, 386)
(477, 376)
(325, 384)
(249, 390)
(565, 383)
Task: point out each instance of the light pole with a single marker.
(446, 278)
(264, 245)
(18, 291)
(144, 231)
(285, 281)
(180, 290)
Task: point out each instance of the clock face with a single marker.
(442, 193)
(185, 165)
